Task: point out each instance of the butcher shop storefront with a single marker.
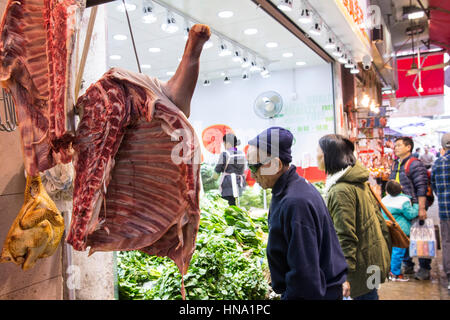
(113, 116)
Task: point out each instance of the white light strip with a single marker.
(325, 27)
(213, 31)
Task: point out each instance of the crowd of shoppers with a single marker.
(330, 248)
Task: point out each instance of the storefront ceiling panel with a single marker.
(334, 15)
(246, 15)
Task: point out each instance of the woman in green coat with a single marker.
(361, 229)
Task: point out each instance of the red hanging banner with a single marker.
(432, 80)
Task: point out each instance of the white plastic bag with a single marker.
(422, 240)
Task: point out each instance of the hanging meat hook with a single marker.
(8, 120)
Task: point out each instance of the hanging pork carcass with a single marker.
(135, 154)
(137, 162)
(37, 45)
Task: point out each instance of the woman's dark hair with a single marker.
(231, 139)
(393, 188)
(337, 153)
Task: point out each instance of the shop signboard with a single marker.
(420, 107)
(356, 10)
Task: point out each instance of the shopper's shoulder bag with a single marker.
(398, 237)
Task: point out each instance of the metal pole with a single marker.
(87, 43)
(265, 199)
(132, 37)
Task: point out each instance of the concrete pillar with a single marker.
(339, 119)
(93, 277)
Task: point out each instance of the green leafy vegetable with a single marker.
(229, 261)
(320, 186)
(210, 182)
(254, 198)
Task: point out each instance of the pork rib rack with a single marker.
(37, 42)
(137, 162)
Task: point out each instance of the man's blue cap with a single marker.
(275, 141)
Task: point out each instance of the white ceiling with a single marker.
(246, 15)
(392, 12)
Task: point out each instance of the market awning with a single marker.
(391, 132)
(439, 25)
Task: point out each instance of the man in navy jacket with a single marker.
(414, 185)
(303, 251)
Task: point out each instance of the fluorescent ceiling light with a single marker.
(271, 44)
(305, 16)
(343, 59)
(237, 56)
(337, 52)
(225, 14)
(208, 44)
(115, 57)
(224, 50)
(416, 15)
(186, 32)
(354, 70)
(145, 66)
(254, 67)
(170, 25)
(149, 18)
(170, 73)
(330, 44)
(300, 63)
(120, 37)
(264, 72)
(250, 31)
(349, 64)
(147, 8)
(288, 55)
(285, 5)
(245, 62)
(316, 29)
(154, 50)
(129, 6)
(413, 12)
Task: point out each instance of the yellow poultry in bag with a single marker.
(37, 229)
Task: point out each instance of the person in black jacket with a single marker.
(414, 184)
(303, 252)
(232, 165)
